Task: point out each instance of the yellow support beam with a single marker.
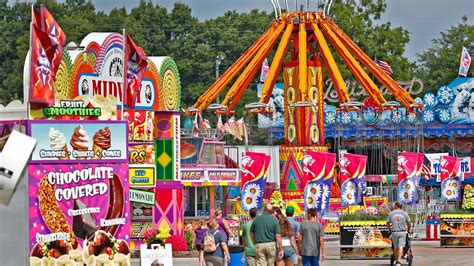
(401, 94)
(358, 72)
(210, 95)
(331, 66)
(240, 85)
(277, 62)
(302, 59)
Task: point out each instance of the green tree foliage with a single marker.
(439, 64)
(192, 43)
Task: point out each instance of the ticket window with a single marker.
(197, 202)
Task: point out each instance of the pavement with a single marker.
(426, 253)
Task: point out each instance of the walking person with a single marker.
(295, 225)
(199, 233)
(311, 242)
(249, 251)
(223, 224)
(398, 223)
(290, 250)
(265, 233)
(216, 252)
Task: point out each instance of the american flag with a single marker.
(384, 66)
(425, 170)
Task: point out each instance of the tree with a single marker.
(439, 64)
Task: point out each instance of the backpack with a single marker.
(209, 244)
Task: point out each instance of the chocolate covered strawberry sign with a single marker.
(79, 213)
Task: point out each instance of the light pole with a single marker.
(219, 60)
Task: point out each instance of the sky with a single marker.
(424, 19)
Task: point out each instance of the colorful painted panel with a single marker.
(169, 211)
(69, 204)
(164, 159)
(291, 171)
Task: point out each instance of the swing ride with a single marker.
(302, 36)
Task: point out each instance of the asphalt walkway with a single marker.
(426, 253)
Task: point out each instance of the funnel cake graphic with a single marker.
(80, 141)
(102, 142)
(57, 142)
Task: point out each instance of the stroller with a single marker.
(407, 252)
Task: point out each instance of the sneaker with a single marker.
(397, 263)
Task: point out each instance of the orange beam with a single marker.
(403, 96)
(358, 72)
(240, 85)
(277, 62)
(302, 59)
(331, 66)
(209, 96)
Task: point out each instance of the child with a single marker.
(199, 232)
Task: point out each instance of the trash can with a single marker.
(236, 253)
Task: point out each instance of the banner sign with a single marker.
(193, 175)
(351, 168)
(213, 175)
(141, 196)
(79, 141)
(138, 229)
(71, 206)
(318, 168)
(223, 175)
(434, 158)
(364, 239)
(156, 256)
(450, 178)
(456, 230)
(142, 176)
(408, 165)
(361, 180)
(141, 154)
(254, 169)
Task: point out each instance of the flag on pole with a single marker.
(314, 168)
(349, 166)
(36, 18)
(136, 62)
(56, 34)
(450, 178)
(464, 63)
(407, 169)
(384, 66)
(264, 72)
(254, 171)
(41, 74)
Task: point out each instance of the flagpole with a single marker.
(124, 70)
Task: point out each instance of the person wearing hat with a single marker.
(295, 225)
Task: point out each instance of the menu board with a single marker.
(79, 212)
(79, 141)
(365, 239)
(457, 230)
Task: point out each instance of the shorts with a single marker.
(199, 248)
(288, 254)
(399, 239)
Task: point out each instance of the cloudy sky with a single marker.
(424, 19)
